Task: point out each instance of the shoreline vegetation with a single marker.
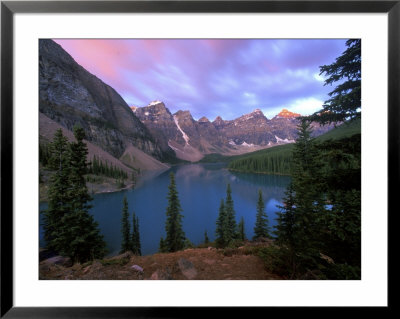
(102, 185)
(262, 173)
(236, 163)
(106, 185)
(230, 242)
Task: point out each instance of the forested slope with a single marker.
(278, 159)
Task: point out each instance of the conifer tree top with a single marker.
(345, 100)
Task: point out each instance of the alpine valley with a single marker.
(149, 137)
(193, 185)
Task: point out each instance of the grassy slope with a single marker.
(342, 131)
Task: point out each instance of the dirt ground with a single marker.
(190, 264)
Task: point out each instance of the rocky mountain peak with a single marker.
(287, 114)
(203, 120)
(191, 139)
(70, 95)
(184, 115)
(154, 111)
(256, 115)
(155, 103)
(218, 120)
(257, 112)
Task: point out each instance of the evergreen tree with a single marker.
(44, 154)
(231, 227)
(342, 175)
(301, 220)
(188, 244)
(80, 197)
(206, 240)
(261, 229)
(220, 232)
(138, 243)
(79, 236)
(135, 241)
(307, 189)
(97, 167)
(241, 230)
(125, 228)
(162, 247)
(58, 199)
(322, 205)
(285, 230)
(345, 99)
(175, 239)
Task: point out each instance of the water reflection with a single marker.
(201, 188)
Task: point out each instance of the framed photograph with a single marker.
(159, 156)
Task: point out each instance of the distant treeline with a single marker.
(278, 159)
(44, 154)
(96, 166)
(277, 162)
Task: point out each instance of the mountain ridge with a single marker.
(249, 132)
(70, 95)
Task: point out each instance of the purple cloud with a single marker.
(213, 77)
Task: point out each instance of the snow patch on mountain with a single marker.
(248, 145)
(155, 102)
(185, 137)
(286, 141)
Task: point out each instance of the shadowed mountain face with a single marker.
(191, 139)
(160, 122)
(70, 95)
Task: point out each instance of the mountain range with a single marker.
(191, 139)
(131, 136)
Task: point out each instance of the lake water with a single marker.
(200, 188)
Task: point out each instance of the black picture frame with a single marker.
(9, 8)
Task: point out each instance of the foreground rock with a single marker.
(187, 268)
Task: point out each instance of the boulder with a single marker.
(58, 260)
(137, 268)
(187, 268)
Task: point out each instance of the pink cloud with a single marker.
(199, 72)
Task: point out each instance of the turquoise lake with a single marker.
(201, 188)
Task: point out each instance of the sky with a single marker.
(212, 77)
